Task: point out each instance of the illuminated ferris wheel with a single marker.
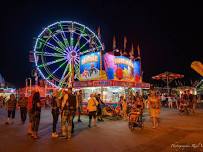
(58, 49)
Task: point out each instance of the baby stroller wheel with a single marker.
(130, 126)
(142, 126)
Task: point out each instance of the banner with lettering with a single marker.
(90, 66)
(137, 71)
(119, 67)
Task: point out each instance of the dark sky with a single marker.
(169, 33)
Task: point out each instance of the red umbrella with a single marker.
(168, 77)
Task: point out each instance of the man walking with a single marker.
(68, 112)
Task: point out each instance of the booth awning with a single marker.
(109, 83)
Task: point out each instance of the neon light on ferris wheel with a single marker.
(60, 44)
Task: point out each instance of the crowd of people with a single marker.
(68, 104)
(64, 103)
(181, 101)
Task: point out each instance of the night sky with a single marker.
(169, 33)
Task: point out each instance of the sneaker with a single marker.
(69, 139)
(54, 135)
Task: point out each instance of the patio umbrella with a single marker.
(168, 77)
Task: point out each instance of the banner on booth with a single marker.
(90, 66)
(120, 68)
(137, 71)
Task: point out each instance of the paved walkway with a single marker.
(176, 132)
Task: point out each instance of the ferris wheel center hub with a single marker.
(73, 53)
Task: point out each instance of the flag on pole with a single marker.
(132, 49)
(138, 50)
(99, 33)
(125, 42)
(114, 42)
(132, 52)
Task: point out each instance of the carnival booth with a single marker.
(75, 58)
(109, 75)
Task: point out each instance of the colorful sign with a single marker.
(137, 71)
(119, 67)
(108, 83)
(102, 83)
(90, 66)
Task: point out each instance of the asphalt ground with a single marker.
(177, 132)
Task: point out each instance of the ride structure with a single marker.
(58, 49)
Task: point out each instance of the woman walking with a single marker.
(55, 113)
(11, 106)
(36, 110)
(23, 108)
(154, 105)
(124, 109)
(92, 108)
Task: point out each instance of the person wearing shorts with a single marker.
(92, 108)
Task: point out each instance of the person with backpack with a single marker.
(99, 107)
(92, 108)
(36, 111)
(55, 113)
(23, 108)
(68, 112)
(11, 107)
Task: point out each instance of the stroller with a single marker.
(185, 108)
(111, 112)
(135, 119)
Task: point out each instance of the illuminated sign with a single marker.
(89, 59)
(90, 66)
(118, 67)
(123, 60)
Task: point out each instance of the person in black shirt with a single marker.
(55, 113)
(36, 110)
(99, 107)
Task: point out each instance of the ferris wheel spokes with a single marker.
(51, 62)
(65, 71)
(60, 44)
(65, 40)
(66, 77)
(56, 69)
(48, 44)
(49, 54)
